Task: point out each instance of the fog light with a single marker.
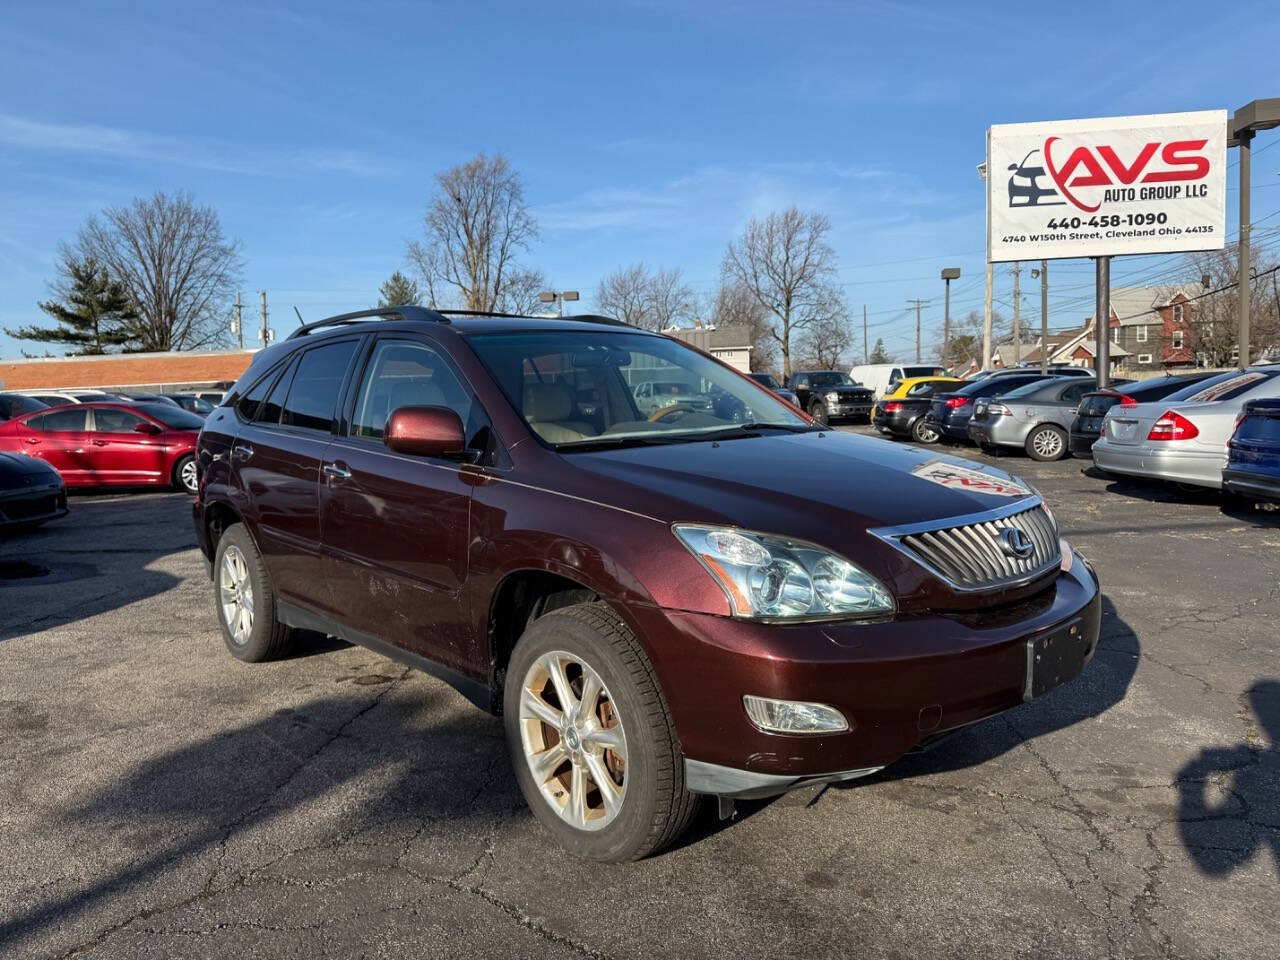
(793, 716)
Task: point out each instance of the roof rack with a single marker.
(404, 313)
(585, 317)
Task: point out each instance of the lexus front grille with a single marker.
(1004, 547)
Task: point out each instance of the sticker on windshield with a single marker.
(1219, 390)
(947, 474)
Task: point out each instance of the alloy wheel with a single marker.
(573, 739)
(235, 593)
(189, 477)
(1047, 444)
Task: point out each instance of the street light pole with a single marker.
(1253, 116)
(948, 274)
(986, 310)
(558, 298)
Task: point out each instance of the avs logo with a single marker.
(1088, 176)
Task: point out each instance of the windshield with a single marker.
(171, 415)
(581, 389)
(923, 372)
(832, 379)
(764, 380)
(1027, 389)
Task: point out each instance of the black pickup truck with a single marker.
(830, 395)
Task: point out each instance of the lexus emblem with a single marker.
(1016, 543)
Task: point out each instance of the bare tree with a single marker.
(476, 224)
(825, 343)
(178, 268)
(735, 305)
(520, 292)
(1211, 322)
(786, 264)
(651, 300)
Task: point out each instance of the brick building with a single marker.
(143, 371)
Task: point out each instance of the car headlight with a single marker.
(833, 397)
(771, 578)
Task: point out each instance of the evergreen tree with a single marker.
(878, 352)
(92, 311)
(398, 290)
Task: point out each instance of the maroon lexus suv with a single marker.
(662, 600)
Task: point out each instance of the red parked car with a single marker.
(110, 444)
(661, 602)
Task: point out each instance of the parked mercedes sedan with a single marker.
(1086, 428)
(1034, 417)
(1182, 438)
(110, 444)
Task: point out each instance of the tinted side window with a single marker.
(251, 401)
(269, 411)
(405, 373)
(114, 421)
(1074, 392)
(313, 395)
(60, 421)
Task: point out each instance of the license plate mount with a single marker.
(1055, 658)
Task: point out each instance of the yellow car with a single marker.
(917, 387)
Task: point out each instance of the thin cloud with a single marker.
(201, 154)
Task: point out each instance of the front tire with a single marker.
(591, 739)
(1046, 443)
(818, 411)
(245, 601)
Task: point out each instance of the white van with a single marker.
(880, 378)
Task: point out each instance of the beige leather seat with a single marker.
(547, 407)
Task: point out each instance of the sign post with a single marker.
(1106, 187)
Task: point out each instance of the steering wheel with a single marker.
(665, 412)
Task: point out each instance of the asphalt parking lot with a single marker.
(159, 798)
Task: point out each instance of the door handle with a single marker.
(32, 440)
(99, 443)
(337, 470)
(241, 451)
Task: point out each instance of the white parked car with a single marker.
(1182, 438)
(57, 398)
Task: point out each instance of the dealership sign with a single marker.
(1119, 185)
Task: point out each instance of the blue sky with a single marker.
(645, 131)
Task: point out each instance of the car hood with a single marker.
(814, 482)
(17, 469)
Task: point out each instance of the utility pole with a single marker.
(1044, 316)
(1017, 304)
(265, 335)
(1102, 321)
(239, 321)
(986, 311)
(919, 304)
(866, 353)
(1244, 259)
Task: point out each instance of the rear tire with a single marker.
(923, 432)
(1046, 442)
(623, 736)
(186, 477)
(245, 602)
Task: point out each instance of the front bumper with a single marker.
(34, 504)
(897, 681)
(1161, 461)
(841, 410)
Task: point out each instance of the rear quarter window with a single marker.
(1228, 389)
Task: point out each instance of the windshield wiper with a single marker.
(751, 426)
(631, 440)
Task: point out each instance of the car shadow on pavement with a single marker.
(1229, 797)
(434, 761)
(49, 577)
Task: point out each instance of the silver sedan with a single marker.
(1037, 417)
(1182, 438)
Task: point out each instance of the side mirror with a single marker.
(425, 432)
(150, 429)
